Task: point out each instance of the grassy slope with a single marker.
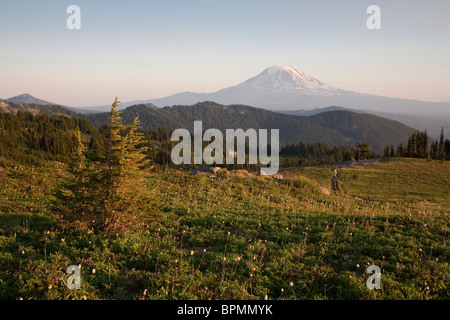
(406, 180)
(241, 238)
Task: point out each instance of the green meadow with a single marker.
(235, 235)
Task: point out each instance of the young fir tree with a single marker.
(434, 150)
(127, 194)
(441, 146)
(447, 148)
(73, 193)
(109, 195)
(138, 198)
(114, 167)
(135, 148)
(89, 197)
(363, 149)
(425, 144)
(392, 151)
(386, 152)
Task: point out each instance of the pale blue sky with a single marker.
(151, 49)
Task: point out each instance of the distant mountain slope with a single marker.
(33, 139)
(36, 109)
(288, 88)
(312, 112)
(334, 128)
(432, 124)
(27, 98)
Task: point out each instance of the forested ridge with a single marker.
(29, 138)
(35, 138)
(335, 128)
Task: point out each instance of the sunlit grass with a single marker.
(234, 237)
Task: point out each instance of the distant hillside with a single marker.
(432, 123)
(50, 110)
(315, 111)
(33, 139)
(335, 128)
(27, 98)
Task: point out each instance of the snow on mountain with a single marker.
(286, 88)
(284, 79)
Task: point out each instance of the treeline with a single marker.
(335, 128)
(318, 153)
(420, 145)
(33, 139)
(26, 138)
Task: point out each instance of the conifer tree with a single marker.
(441, 145)
(447, 148)
(425, 144)
(363, 148)
(136, 196)
(72, 194)
(109, 193)
(126, 190)
(386, 152)
(392, 151)
(135, 148)
(114, 166)
(96, 147)
(434, 150)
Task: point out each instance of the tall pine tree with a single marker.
(112, 194)
(72, 195)
(441, 145)
(128, 195)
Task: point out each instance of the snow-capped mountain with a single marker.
(278, 87)
(284, 79)
(287, 88)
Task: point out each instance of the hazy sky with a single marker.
(150, 49)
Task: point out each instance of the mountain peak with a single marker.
(281, 67)
(288, 79)
(27, 98)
